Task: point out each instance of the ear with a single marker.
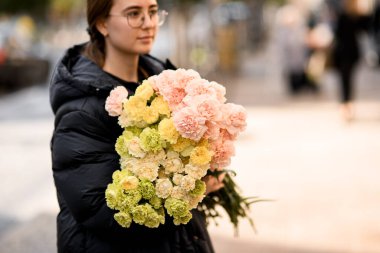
(102, 27)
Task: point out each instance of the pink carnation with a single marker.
(223, 151)
(234, 118)
(213, 131)
(225, 135)
(183, 77)
(208, 107)
(153, 82)
(189, 123)
(174, 96)
(220, 91)
(114, 102)
(162, 81)
(198, 87)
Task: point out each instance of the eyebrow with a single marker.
(139, 7)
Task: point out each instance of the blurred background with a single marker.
(320, 167)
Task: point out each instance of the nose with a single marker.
(147, 21)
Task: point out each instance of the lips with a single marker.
(145, 38)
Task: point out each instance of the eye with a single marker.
(153, 12)
(133, 14)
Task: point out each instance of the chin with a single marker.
(145, 50)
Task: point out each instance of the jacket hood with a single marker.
(77, 76)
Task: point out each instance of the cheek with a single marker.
(122, 35)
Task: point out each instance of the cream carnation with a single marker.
(196, 172)
(134, 148)
(177, 178)
(187, 183)
(172, 164)
(146, 170)
(163, 187)
(129, 183)
(178, 192)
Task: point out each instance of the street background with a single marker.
(319, 171)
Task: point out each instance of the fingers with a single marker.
(213, 184)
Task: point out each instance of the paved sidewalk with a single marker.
(321, 172)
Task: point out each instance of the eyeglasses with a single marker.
(136, 18)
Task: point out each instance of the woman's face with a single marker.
(120, 36)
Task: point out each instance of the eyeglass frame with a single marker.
(163, 14)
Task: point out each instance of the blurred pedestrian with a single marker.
(291, 37)
(351, 20)
(319, 39)
(83, 144)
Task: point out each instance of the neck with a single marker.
(124, 66)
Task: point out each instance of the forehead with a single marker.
(123, 4)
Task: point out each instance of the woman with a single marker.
(83, 156)
(346, 51)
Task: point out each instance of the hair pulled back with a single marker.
(97, 10)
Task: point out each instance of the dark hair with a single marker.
(96, 10)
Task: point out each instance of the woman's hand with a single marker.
(213, 183)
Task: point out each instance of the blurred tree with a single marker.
(66, 8)
(278, 2)
(17, 6)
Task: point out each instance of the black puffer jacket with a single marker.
(84, 158)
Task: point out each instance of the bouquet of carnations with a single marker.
(177, 129)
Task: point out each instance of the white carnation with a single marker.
(194, 201)
(173, 165)
(172, 155)
(177, 178)
(134, 148)
(196, 172)
(163, 187)
(147, 170)
(178, 193)
(187, 183)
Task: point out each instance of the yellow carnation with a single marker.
(168, 131)
(182, 144)
(161, 106)
(203, 143)
(144, 91)
(135, 108)
(200, 156)
(150, 115)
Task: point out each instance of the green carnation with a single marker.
(146, 189)
(150, 140)
(130, 199)
(176, 207)
(140, 213)
(124, 219)
(153, 218)
(121, 145)
(156, 202)
(182, 220)
(113, 195)
(134, 130)
(200, 188)
(118, 175)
